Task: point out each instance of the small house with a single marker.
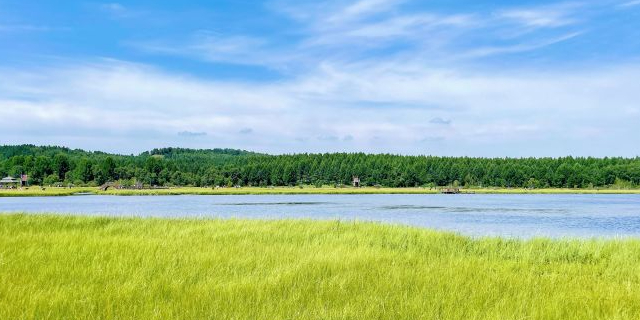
(450, 190)
(356, 182)
(9, 182)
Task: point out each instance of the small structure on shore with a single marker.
(450, 191)
(112, 185)
(117, 185)
(10, 182)
(356, 182)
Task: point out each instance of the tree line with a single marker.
(229, 167)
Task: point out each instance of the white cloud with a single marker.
(23, 28)
(191, 134)
(440, 121)
(209, 46)
(348, 31)
(630, 4)
(337, 108)
(115, 9)
(522, 47)
(112, 6)
(409, 25)
(542, 17)
(362, 9)
(334, 13)
(340, 97)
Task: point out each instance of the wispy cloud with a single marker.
(491, 109)
(361, 9)
(547, 16)
(438, 120)
(115, 9)
(23, 28)
(415, 25)
(328, 138)
(516, 48)
(351, 30)
(334, 13)
(191, 134)
(430, 139)
(369, 75)
(215, 47)
(629, 4)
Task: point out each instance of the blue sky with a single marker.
(454, 78)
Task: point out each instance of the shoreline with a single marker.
(54, 191)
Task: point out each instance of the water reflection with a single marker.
(273, 203)
(476, 215)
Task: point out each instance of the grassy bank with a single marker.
(37, 191)
(44, 192)
(55, 267)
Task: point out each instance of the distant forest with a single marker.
(228, 167)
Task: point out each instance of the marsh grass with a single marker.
(64, 267)
(46, 192)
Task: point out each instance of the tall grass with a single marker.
(63, 267)
(46, 192)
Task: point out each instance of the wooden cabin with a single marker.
(450, 190)
(10, 182)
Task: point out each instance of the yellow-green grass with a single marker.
(63, 267)
(551, 191)
(52, 191)
(44, 192)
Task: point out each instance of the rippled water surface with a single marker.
(477, 215)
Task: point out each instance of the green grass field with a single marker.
(55, 267)
(47, 192)
(37, 191)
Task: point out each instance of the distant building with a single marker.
(356, 182)
(450, 190)
(8, 182)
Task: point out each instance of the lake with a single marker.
(521, 216)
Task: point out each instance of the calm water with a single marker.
(476, 215)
